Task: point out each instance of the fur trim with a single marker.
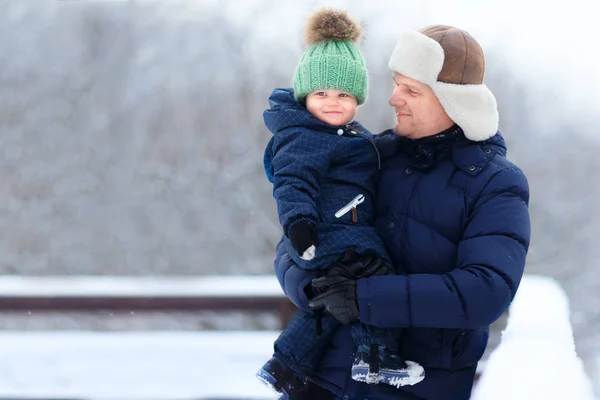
(472, 107)
(417, 57)
(329, 24)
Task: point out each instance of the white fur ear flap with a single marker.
(472, 107)
(417, 57)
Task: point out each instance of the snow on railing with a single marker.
(16, 286)
(536, 358)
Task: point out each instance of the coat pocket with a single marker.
(468, 347)
(449, 340)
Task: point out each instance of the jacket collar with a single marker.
(472, 157)
(469, 156)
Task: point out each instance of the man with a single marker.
(453, 213)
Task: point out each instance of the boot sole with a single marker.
(269, 381)
(360, 373)
(411, 376)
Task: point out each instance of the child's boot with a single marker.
(394, 370)
(281, 379)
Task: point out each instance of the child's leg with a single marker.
(300, 346)
(298, 351)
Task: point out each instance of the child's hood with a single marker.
(285, 112)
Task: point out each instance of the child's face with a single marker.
(331, 106)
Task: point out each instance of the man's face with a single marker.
(331, 106)
(418, 110)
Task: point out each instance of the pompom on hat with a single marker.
(332, 59)
(452, 63)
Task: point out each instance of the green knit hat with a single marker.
(332, 59)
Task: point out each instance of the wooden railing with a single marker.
(79, 368)
(91, 293)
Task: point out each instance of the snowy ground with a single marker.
(136, 366)
(536, 357)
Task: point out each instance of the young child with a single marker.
(324, 167)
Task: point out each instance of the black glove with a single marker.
(339, 301)
(304, 236)
(337, 287)
(354, 266)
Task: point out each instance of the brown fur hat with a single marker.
(463, 57)
(451, 62)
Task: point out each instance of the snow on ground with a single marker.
(536, 358)
(136, 366)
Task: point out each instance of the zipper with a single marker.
(403, 228)
(350, 130)
(351, 207)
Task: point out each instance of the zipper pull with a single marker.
(344, 210)
(354, 215)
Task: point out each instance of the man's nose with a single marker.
(396, 99)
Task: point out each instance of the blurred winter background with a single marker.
(131, 137)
